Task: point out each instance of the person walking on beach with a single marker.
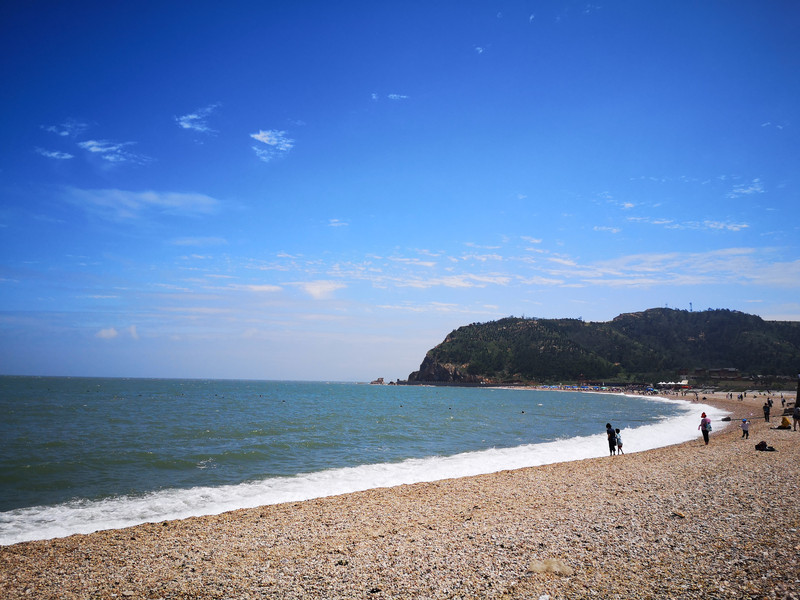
(766, 412)
(705, 426)
(612, 439)
(619, 441)
(745, 429)
(796, 414)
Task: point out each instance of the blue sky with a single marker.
(324, 190)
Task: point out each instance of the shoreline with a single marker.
(682, 521)
(62, 520)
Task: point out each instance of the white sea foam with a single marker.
(45, 522)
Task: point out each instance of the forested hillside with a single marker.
(654, 344)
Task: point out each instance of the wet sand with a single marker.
(686, 521)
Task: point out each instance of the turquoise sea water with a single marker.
(84, 454)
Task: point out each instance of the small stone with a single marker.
(551, 565)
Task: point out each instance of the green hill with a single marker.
(656, 344)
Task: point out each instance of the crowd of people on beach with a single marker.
(705, 427)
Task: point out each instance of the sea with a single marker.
(79, 455)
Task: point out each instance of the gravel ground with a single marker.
(687, 521)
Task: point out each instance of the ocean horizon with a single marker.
(86, 454)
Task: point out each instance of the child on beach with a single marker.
(745, 429)
(619, 442)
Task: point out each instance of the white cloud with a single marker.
(608, 229)
(723, 225)
(754, 187)
(465, 280)
(107, 334)
(54, 154)
(319, 290)
(397, 97)
(482, 257)
(276, 142)
(689, 225)
(122, 204)
(412, 261)
(337, 223)
(133, 332)
(197, 121)
(113, 152)
(562, 261)
(256, 287)
(739, 266)
(70, 128)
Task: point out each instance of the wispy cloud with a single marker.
(320, 290)
(111, 333)
(463, 280)
(746, 189)
(256, 287)
(737, 266)
(532, 240)
(70, 128)
(412, 261)
(395, 97)
(337, 223)
(438, 307)
(120, 205)
(55, 154)
(113, 152)
(725, 226)
(276, 144)
(199, 241)
(197, 120)
(690, 225)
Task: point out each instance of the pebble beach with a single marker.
(684, 521)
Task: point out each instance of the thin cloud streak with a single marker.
(121, 205)
(55, 154)
(198, 120)
(113, 152)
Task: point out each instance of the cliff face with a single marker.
(433, 371)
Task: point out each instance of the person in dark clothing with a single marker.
(612, 439)
(766, 412)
